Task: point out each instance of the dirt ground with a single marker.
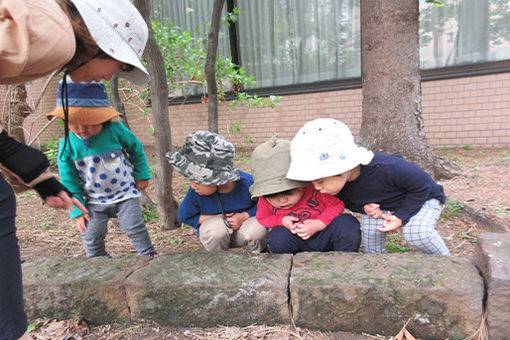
(483, 186)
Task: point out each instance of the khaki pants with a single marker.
(216, 236)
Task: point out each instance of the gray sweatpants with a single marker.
(420, 232)
(129, 214)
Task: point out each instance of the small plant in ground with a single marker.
(452, 207)
(27, 194)
(51, 151)
(47, 226)
(506, 158)
(152, 170)
(236, 132)
(394, 244)
(467, 235)
(502, 210)
(32, 327)
(467, 147)
(150, 215)
(175, 242)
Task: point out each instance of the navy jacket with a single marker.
(237, 200)
(395, 184)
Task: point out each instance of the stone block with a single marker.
(207, 289)
(493, 259)
(377, 294)
(65, 288)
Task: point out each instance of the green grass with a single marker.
(394, 244)
(452, 208)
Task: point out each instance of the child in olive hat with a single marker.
(300, 217)
(104, 166)
(218, 204)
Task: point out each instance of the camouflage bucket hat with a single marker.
(269, 165)
(205, 158)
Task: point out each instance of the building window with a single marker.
(307, 44)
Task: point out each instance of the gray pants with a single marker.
(420, 232)
(131, 221)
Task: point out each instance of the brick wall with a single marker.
(471, 111)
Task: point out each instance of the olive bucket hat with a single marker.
(269, 165)
(205, 158)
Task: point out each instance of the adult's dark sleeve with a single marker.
(26, 162)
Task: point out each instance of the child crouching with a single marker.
(218, 204)
(300, 217)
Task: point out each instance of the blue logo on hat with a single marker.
(342, 157)
(323, 156)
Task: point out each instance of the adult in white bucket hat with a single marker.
(389, 191)
(91, 40)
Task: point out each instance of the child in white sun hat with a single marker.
(389, 191)
(300, 217)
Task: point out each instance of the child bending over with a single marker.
(388, 190)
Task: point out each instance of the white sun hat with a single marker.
(119, 30)
(324, 147)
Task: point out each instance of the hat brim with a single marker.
(274, 186)
(304, 169)
(85, 115)
(198, 173)
(102, 34)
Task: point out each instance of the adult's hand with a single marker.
(63, 201)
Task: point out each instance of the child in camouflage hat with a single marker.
(218, 204)
(300, 217)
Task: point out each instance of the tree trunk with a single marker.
(146, 201)
(18, 111)
(392, 119)
(210, 65)
(167, 206)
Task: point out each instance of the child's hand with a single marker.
(390, 223)
(236, 219)
(308, 228)
(142, 184)
(81, 222)
(373, 210)
(289, 222)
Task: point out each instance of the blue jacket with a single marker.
(395, 184)
(238, 200)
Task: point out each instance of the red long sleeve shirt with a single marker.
(312, 205)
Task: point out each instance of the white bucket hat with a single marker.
(119, 30)
(324, 147)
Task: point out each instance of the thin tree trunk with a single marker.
(167, 205)
(18, 111)
(117, 102)
(146, 201)
(392, 120)
(210, 65)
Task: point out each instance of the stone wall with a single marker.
(441, 297)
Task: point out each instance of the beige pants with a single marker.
(216, 236)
